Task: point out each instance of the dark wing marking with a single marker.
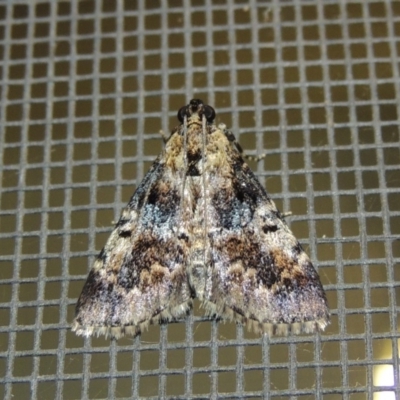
(140, 275)
(260, 274)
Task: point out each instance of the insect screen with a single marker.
(86, 88)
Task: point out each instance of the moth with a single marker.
(201, 225)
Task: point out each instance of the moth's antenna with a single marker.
(185, 160)
(203, 176)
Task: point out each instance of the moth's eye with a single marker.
(182, 113)
(209, 112)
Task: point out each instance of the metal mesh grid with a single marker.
(85, 88)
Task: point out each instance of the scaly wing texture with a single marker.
(260, 274)
(201, 224)
(140, 276)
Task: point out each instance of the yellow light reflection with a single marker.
(384, 396)
(383, 376)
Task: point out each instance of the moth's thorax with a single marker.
(196, 137)
(194, 120)
(194, 142)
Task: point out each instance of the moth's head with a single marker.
(196, 106)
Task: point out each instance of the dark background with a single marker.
(85, 89)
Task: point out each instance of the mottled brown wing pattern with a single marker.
(139, 277)
(200, 224)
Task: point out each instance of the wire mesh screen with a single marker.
(85, 89)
